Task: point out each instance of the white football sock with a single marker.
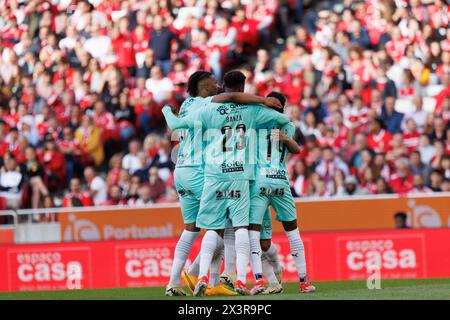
(297, 252)
(194, 268)
(268, 270)
(242, 253)
(181, 254)
(272, 258)
(209, 244)
(230, 251)
(255, 254)
(216, 263)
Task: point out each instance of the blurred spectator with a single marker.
(97, 187)
(36, 176)
(382, 187)
(11, 182)
(329, 165)
(140, 100)
(131, 161)
(416, 164)
(70, 147)
(351, 187)
(114, 197)
(402, 180)
(379, 139)
(83, 83)
(89, 139)
(299, 179)
(113, 176)
(54, 163)
(401, 220)
(418, 115)
(156, 184)
(318, 109)
(145, 196)
(77, 197)
(125, 118)
(419, 185)
(436, 180)
(133, 189)
(391, 118)
(161, 39)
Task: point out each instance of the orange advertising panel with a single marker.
(370, 214)
(313, 215)
(6, 235)
(121, 224)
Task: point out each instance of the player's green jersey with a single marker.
(229, 136)
(188, 142)
(271, 164)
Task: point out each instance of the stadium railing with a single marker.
(164, 220)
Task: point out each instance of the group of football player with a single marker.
(230, 168)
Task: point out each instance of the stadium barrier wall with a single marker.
(164, 221)
(405, 253)
(7, 229)
(38, 233)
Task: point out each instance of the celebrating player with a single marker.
(188, 175)
(227, 174)
(271, 187)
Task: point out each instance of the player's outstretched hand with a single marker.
(272, 102)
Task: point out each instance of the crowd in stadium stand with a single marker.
(82, 84)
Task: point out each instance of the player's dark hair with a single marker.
(400, 214)
(280, 98)
(234, 79)
(194, 79)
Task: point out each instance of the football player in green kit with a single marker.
(271, 187)
(189, 173)
(226, 195)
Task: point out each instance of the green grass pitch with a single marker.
(346, 290)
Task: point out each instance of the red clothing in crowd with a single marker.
(107, 122)
(380, 142)
(85, 198)
(411, 140)
(11, 36)
(248, 32)
(396, 48)
(440, 97)
(140, 44)
(123, 47)
(293, 88)
(137, 93)
(402, 185)
(54, 163)
(111, 202)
